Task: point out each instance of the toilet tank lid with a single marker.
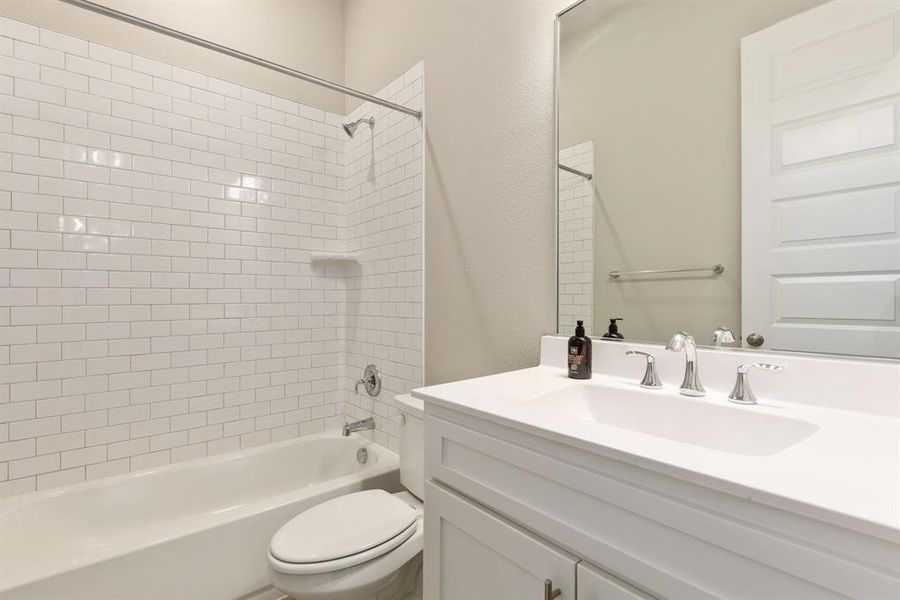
(413, 406)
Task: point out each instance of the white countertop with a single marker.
(846, 473)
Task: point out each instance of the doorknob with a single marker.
(755, 339)
(549, 592)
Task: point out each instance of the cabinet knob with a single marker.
(549, 592)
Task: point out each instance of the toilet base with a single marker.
(403, 584)
(409, 586)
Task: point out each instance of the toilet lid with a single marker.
(341, 527)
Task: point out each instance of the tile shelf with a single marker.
(335, 257)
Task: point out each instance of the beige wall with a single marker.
(304, 34)
(489, 209)
(656, 85)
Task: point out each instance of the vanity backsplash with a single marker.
(866, 386)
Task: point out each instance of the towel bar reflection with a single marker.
(717, 269)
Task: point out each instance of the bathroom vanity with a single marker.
(544, 487)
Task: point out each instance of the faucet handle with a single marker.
(745, 368)
(651, 377)
(371, 381)
(741, 393)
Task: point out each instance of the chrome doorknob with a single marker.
(756, 340)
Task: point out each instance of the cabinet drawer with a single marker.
(674, 547)
(476, 555)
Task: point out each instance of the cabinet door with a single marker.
(473, 554)
(594, 584)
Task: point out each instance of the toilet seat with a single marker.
(342, 532)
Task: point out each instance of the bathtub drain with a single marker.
(362, 456)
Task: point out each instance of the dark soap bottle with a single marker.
(579, 354)
(613, 333)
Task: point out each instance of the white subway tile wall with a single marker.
(384, 193)
(576, 239)
(157, 298)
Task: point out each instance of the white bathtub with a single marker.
(191, 531)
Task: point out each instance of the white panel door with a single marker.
(472, 554)
(820, 128)
(594, 584)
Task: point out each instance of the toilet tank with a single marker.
(412, 444)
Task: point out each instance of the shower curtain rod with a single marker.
(185, 37)
(587, 176)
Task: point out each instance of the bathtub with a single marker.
(191, 531)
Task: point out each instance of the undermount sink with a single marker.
(699, 422)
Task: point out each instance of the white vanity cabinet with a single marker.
(508, 508)
(476, 555)
(594, 584)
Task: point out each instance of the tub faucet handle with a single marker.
(371, 381)
(651, 377)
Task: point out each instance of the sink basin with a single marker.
(699, 422)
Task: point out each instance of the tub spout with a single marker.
(363, 425)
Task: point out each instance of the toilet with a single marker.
(364, 545)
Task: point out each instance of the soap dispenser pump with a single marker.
(579, 354)
(613, 333)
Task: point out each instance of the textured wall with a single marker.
(304, 34)
(490, 282)
(158, 297)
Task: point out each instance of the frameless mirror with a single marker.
(731, 167)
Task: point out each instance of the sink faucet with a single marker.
(742, 394)
(722, 336)
(684, 342)
(651, 378)
(363, 425)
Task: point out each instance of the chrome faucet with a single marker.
(684, 342)
(363, 425)
(651, 378)
(371, 381)
(722, 335)
(741, 393)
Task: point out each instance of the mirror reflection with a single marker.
(731, 169)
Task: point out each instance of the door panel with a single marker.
(820, 116)
(476, 555)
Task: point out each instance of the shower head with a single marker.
(350, 128)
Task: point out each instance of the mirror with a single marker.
(731, 166)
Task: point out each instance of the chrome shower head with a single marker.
(350, 128)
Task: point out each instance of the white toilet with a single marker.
(361, 546)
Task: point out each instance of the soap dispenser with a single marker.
(579, 354)
(613, 333)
